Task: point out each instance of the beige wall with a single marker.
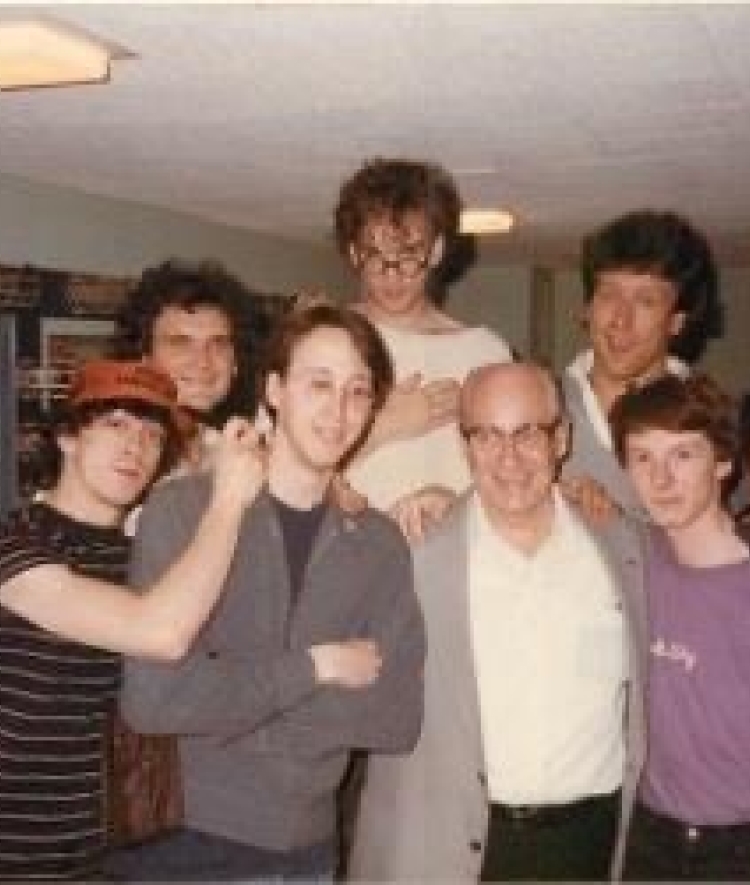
(497, 297)
(58, 228)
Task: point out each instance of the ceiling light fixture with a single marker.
(41, 52)
(484, 222)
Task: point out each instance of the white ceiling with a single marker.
(252, 115)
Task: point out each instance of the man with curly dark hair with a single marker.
(196, 321)
(651, 304)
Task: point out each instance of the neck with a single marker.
(710, 540)
(67, 498)
(525, 532)
(421, 316)
(294, 483)
(607, 388)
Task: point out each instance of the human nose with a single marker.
(138, 439)
(335, 402)
(622, 312)
(504, 446)
(202, 352)
(133, 438)
(661, 473)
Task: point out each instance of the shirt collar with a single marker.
(579, 370)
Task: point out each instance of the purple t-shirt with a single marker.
(698, 764)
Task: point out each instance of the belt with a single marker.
(692, 834)
(549, 815)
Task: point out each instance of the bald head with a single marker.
(515, 439)
(528, 381)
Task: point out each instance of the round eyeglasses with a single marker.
(408, 264)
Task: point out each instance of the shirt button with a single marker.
(482, 778)
(693, 833)
(475, 845)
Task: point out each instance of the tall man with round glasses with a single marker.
(395, 221)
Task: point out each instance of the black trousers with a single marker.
(572, 842)
(660, 848)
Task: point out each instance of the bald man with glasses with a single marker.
(518, 770)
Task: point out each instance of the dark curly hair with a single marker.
(189, 286)
(668, 246)
(393, 187)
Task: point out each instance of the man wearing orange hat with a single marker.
(63, 621)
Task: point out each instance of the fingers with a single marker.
(239, 463)
(411, 382)
(418, 512)
(592, 500)
(241, 430)
(348, 499)
(353, 663)
(409, 519)
(442, 400)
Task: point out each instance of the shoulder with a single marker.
(624, 543)
(186, 493)
(442, 539)
(24, 545)
(375, 529)
(487, 344)
(573, 392)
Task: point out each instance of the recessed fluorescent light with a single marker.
(40, 52)
(486, 221)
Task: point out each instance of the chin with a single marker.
(668, 521)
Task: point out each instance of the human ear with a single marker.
(353, 255)
(437, 252)
(677, 323)
(561, 439)
(723, 469)
(66, 442)
(273, 390)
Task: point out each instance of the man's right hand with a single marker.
(239, 463)
(414, 407)
(355, 663)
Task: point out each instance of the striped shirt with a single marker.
(54, 695)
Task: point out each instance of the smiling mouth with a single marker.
(665, 502)
(197, 383)
(131, 473)
(619, 347)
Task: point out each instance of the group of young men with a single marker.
(547, 689)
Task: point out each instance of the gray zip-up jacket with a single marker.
(263, 746)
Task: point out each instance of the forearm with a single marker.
(214, 693)
(160, 623)
(385, 716)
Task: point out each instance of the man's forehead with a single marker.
(663, 438)
(195, 317)
(512, 391)
(328, 349)
(641, 278)
(387, 228)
